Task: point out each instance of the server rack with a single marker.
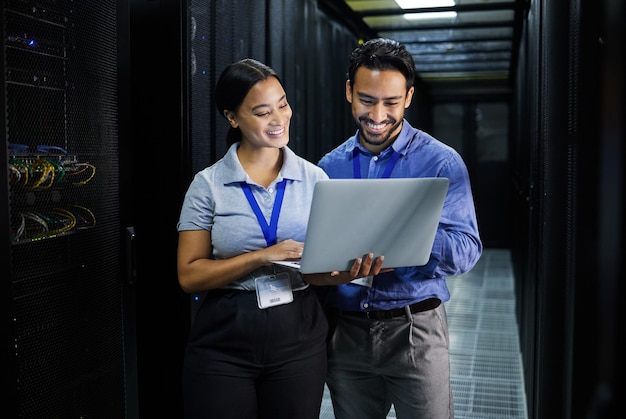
(62, 285)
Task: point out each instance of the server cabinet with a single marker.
(62, 289)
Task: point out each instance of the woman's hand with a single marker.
(197, 271)
(286, 250)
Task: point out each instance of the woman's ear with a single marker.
(230, 117)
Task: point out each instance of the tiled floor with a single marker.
(486, 367)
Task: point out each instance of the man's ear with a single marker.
(409, 97)
(348, 91)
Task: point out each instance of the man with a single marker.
(390, 344)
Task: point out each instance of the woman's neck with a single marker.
(261, 164)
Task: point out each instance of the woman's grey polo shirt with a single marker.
(215, 201)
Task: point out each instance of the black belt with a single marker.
(429, 304)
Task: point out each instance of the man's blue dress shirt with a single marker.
(457, 246)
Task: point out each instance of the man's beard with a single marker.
(365, 135)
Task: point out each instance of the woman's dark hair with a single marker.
(234, 84)
(383, 54)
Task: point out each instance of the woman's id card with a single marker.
(273, 290)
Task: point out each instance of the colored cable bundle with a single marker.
(33, 225)
(43, 173)
(15, 165)
(46, 172)
(84, 216)
(81, 169)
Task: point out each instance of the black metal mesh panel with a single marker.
(311, 51)
(285, 35)
(225, 44)
(220, 33)
(61, 96)
(202, 79)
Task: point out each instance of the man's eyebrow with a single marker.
(366, 96)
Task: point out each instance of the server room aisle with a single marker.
(486, 365)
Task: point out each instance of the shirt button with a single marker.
(366, 305)
(375, 158)
(270, 190)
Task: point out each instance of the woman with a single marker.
(257, 344)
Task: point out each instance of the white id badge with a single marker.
(365, 281)
(273, 290)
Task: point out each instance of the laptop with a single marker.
(394, 217)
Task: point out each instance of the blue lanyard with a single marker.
(269, 231)
(357, 167)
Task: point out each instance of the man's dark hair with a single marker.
(382, 54)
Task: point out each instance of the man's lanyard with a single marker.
(357, 166)
(269, 231)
